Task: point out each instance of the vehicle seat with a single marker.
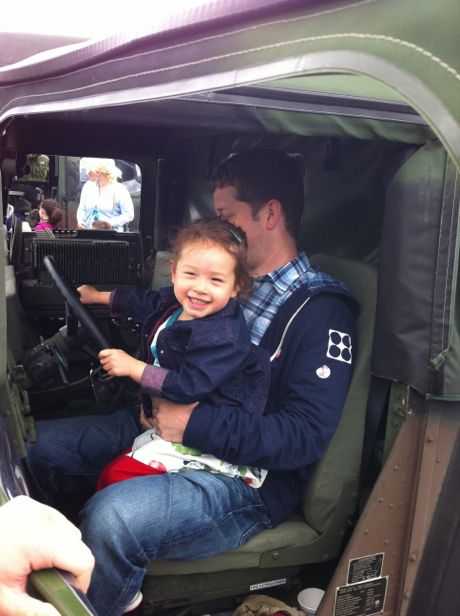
(162, 272)
(315, 535)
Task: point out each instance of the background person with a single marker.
(36, 168)
(104, 198)
(89, 177)
(88, 165)
(33, 218)
(189, 515)
(51, 215)
(34, 536)
(88, 173)
(20, 208)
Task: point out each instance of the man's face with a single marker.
(239, 213)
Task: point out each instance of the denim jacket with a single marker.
(210, 359)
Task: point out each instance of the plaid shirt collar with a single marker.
(270, 291)
(288, 274)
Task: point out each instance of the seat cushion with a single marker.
(292, 533)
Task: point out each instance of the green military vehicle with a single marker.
(367, 95)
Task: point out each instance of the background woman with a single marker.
(104, 199)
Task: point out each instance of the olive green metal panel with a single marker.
(169, 591)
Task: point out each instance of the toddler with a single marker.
(198, 345)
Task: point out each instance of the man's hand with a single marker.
(90, 295)
(145, 421)
(118, 363)
(171, 418)
(34, 536)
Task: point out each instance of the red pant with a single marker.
(124, 467)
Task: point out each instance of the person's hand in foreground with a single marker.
(34, 536)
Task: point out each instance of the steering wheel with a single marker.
(74, 305)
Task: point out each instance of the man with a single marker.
(36, 168)
(294, 312)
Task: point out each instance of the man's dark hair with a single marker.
(259, 175)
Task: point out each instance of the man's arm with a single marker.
(171, 418)
(297, 427)
(137, 303)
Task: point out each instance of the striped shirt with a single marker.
(270, 291)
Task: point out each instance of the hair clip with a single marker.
(237, 236)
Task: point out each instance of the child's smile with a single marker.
(203, 279)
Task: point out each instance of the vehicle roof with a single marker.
(18, 46)
(403, 52)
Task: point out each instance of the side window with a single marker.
(102, 193)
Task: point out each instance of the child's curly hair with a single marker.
(223, 233)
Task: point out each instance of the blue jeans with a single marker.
(69, 454)
(175, 516)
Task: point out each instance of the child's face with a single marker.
(203, 279)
